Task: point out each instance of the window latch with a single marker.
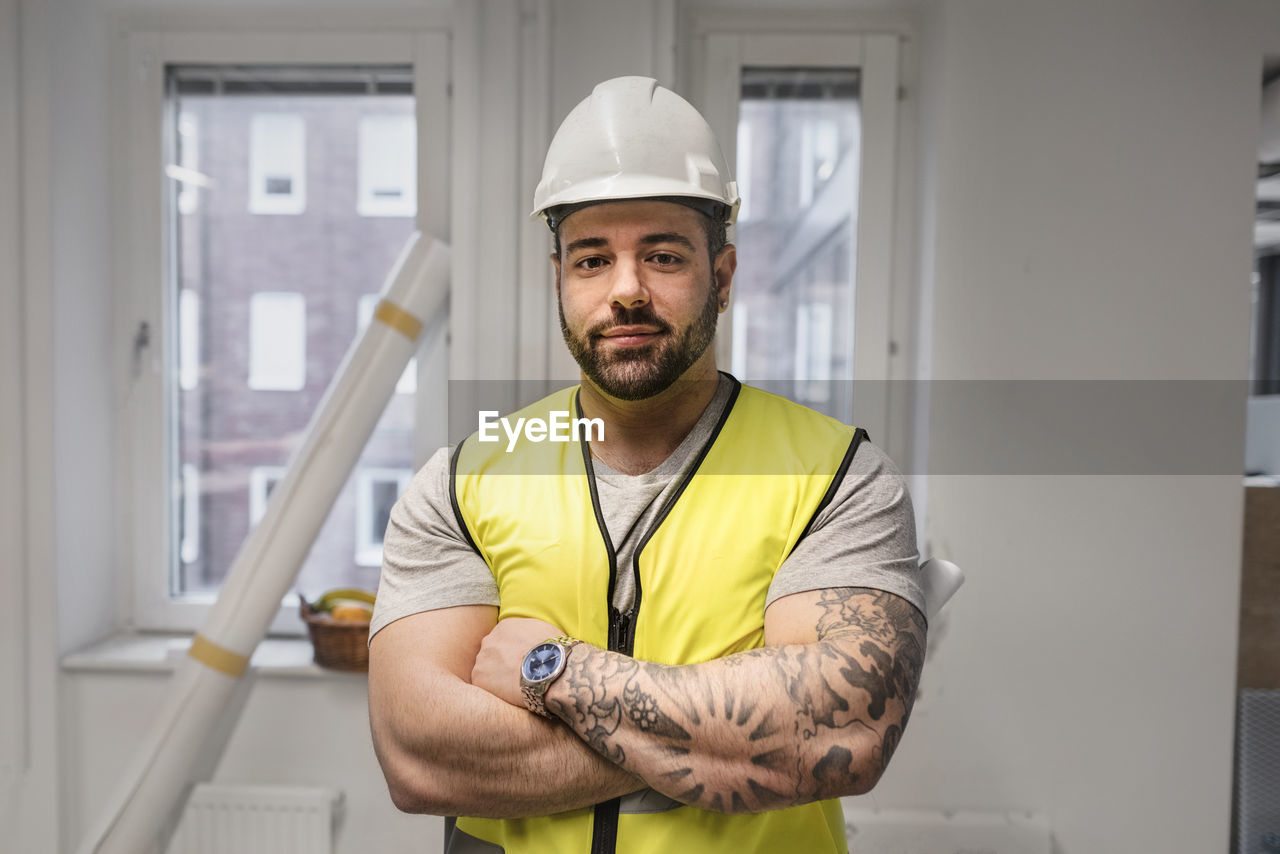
(141, 341)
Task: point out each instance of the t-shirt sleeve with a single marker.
(866, 536)
(427, 563)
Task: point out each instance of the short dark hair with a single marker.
(715, 228)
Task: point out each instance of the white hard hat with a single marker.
(633, 139)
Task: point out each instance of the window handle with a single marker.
(141, 341)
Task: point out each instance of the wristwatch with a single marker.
(542, 665)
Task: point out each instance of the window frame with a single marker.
(722, 48)
(145, 339)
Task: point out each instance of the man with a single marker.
(692, 633)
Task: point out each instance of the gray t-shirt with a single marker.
(865, 537)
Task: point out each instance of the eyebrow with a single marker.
(668, 237)
(585, 243)
(647, 240)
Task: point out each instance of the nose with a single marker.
(626, 288)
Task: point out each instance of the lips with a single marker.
(630, 336)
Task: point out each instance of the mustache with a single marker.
(642, 316)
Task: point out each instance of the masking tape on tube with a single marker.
(398, 319)
(217, 657)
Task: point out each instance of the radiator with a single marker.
(234, 819)
(1258, 773)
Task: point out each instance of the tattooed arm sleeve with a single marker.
(815, 715)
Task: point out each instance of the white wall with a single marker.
(1091, 179)
(12, 530)
(1086, 184)
(81, 302)
(29, 782)
(294, 731)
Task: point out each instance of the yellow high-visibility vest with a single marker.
(702, 572)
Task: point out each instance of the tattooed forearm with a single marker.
(763, 729)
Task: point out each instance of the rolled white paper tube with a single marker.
(194, 715)
(271, 555)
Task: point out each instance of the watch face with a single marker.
(541, 661)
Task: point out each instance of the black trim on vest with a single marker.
(858, 436)
(595, 504)
(604, 816)
(671, 503)
(453, 497)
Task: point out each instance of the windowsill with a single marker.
(132, 652)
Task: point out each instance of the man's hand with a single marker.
(497, 667)
(450, 748)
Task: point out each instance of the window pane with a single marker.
(264, 305)
(798, 165)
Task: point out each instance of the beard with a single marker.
(641, 372)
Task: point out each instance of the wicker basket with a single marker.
(338, 645)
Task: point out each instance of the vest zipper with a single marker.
(604, 823)
(622, 626)
(604, 817)
(622, 636)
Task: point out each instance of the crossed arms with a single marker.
(814, 714)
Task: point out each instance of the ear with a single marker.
(722, 271)
(555, 262)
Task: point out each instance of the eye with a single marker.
(665, 259)
(593, 262)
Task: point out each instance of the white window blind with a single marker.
(188, 339)
(388, 166)
(277, 164)
(277, 341)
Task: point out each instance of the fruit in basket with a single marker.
(345, 605)
(351, 611)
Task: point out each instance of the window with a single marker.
(1264, 350)
(796, 277)
(256, 313)
(277, 341)
(263, 287)
(376, 493)
(813, 121)
(1265, 365)
(277, 164)
(388, 178)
